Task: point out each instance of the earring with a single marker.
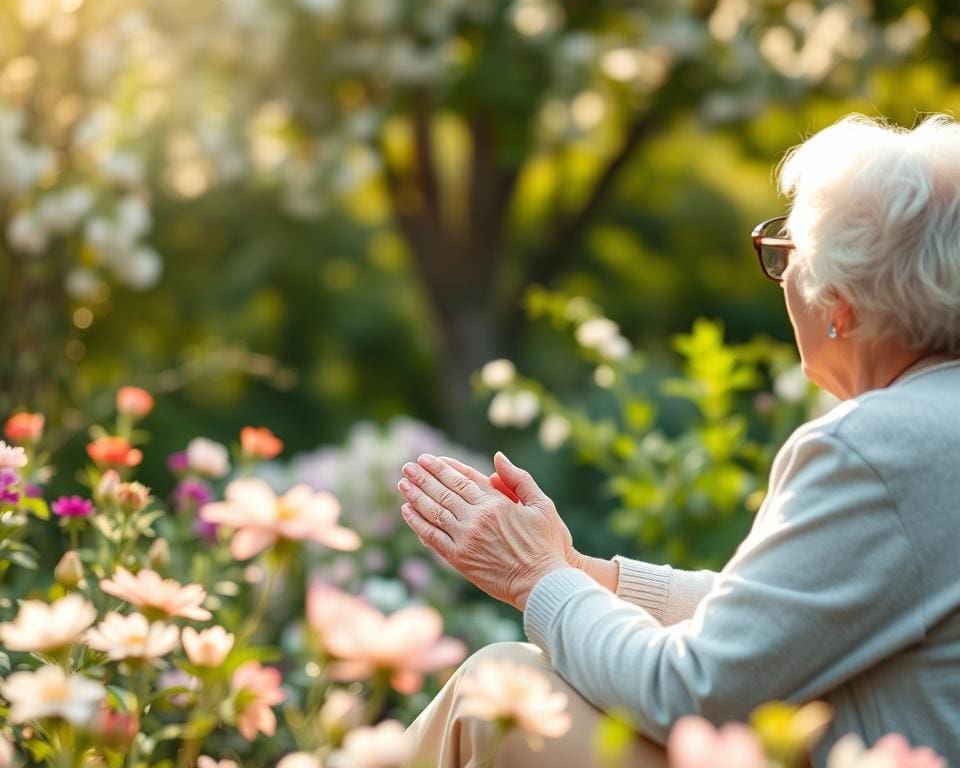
(832, 331)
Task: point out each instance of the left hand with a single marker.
(502, 546)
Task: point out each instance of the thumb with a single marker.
(497, 482)
(520, 480)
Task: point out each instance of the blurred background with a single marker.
(318, 214)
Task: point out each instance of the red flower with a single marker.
(134, 401)
(24, 427)
(260, 442)
(114, 452)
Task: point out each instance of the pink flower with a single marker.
(385, 745)
(891, 751)
(207, 648)
(695, 743)
(260, 519)
(72, 506)
(134, 401)
(208, 457)
(256, 689)
(133, 637)
(166, 597)
(11, 456)
(501, 691)
(204, 761)
(408, 644)
(9, 480)
(43, 628)
(51, 692)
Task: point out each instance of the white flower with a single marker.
(62, 211)
(208, 457)
(83, 284)
(50, 692)
(385, 745)
(205, 761)
(498, 374)
(208, 648)
(41, 627)
(299, 760)
(513, 409)
(123, 168)
(133, 637)
(604, 376)
(12, 456)
(139, 269)
(341, 711)
(133, 217)
(792, 385)
(595, 331)
(325, 9)
(8, 755)
(26, 233)
(554, 431)
(614, 348)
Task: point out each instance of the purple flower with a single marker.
(9, 477)
(72, 506)
(178, 462)
(32, 491)
(206, 531)
(191, 494)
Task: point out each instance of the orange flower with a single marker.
(260, 442)
(24, 427)
(114, 452)
(256, 690)
(134, 401)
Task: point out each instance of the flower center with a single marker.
(58, 690)
(286, 512)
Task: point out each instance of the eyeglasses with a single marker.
(773, 247)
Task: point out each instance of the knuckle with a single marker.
(447, 497)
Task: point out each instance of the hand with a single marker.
(502, 546)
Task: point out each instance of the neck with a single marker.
(865, 368)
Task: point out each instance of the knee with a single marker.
(525, 654)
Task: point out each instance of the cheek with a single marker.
(806, 320)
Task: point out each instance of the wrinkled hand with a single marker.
(502, 546)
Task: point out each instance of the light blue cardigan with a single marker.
(847, 589)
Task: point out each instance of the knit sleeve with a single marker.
(825, 586)
(669, 594)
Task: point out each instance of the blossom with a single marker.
(132, 497)
(891, 751)
(205, 761)
(114, 451)
(260, 443)
(72, 506)
(695, 743)
(554, 431)
(43, 627)
(68, 572)
(51, 692)
(207, 457)
(299, 760)
(510, 408)
(507, 692)
(190, 494)
(9, 479)
(178, 462)
(498, 374)
(112, 728)
(256, 689)
(12, 456)
(106, 490)
(385, 745)
(407, 644)
(134, 401)
(260, 518)
(341, 711)
(24, 427)
(147, 590)
(207, 648)
(8, 755)
(132, 637)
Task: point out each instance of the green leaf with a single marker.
(37, 507)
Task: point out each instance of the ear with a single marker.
(843, 315)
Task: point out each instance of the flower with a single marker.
(341, 711)
(207, 648)
(112, 728)
(385, 745)
(890, 751)
(114, 452)
(132, 497)
(9, 479)
(208, 762)
(51, 692)
(507, 692)
(147, 590)
(407, 644)
(8, 755)
(191, 494)
(72, 506)
(177, 462)
(299, 760)
(106, 490)
(42, 627)
(24, 427)
(132, 637)
(260, 443)
(256, 689)
(134, 401)
(554, 431)
(12, 456)
(695, 743)
(510, 408)
(260, 518)
(498, 374)
(68, 572)
(207, 457)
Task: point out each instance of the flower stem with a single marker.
(498, 735)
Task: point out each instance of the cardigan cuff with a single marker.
(645, 585)
(546, 601)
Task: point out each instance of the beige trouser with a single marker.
(446, 739)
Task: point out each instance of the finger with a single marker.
(433, 538)
(436, 514)
(436, 490)
(497, 482)
(465, 469)
(449, 478)
(520, 480)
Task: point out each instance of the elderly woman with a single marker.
(847, 588)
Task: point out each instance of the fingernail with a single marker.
(504, 457)
(410, 469)
(405, 486)
(427, 461)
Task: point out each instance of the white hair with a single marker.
(876, 219)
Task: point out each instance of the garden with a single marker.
(256, 255)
